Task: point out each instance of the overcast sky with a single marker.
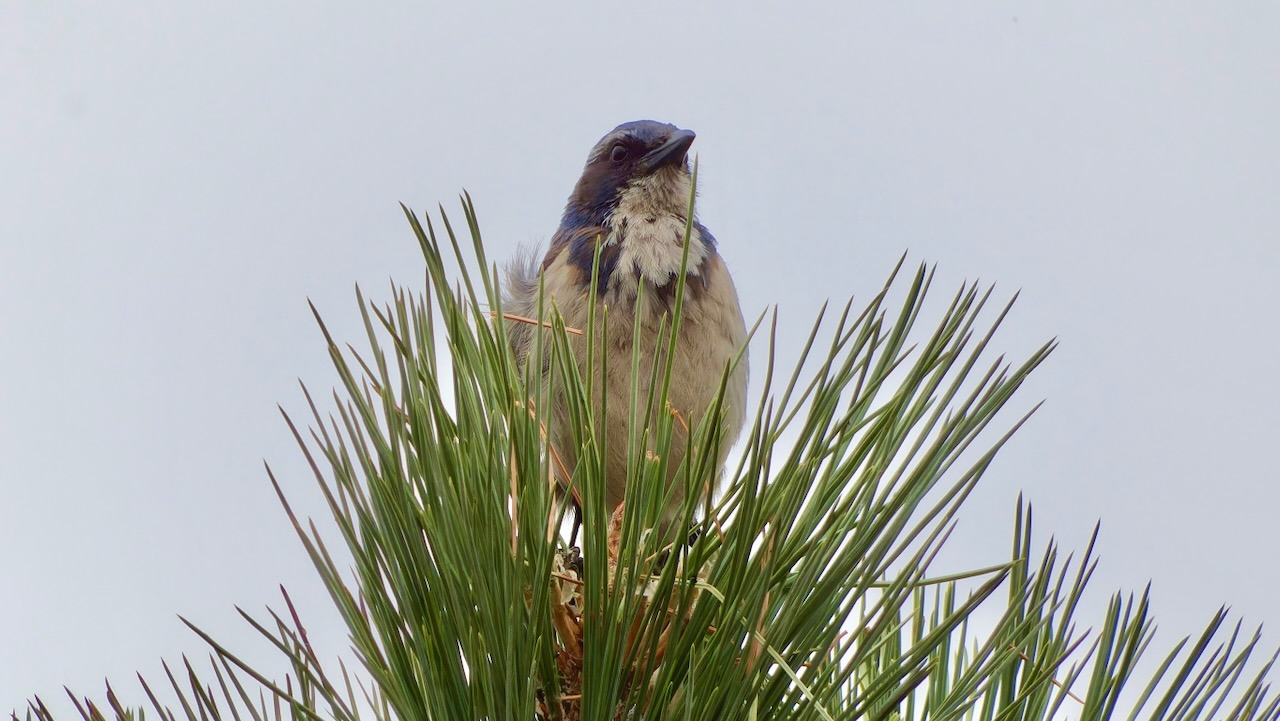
(177, 179)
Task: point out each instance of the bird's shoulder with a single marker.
(576, 246)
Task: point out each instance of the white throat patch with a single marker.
(648, 229)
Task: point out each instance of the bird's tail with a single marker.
(520, 299)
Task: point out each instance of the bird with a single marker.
(632, 202)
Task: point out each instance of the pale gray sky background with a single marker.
(176, 180)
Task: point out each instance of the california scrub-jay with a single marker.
(633, 201)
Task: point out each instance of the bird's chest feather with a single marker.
(711, 333)
(647, 237)
(651, 249)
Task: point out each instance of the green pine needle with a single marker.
(807, 593)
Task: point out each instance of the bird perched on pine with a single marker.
(633, 202)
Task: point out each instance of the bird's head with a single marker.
(644, 162)
(634, 197)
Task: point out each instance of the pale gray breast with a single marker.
(712, 334)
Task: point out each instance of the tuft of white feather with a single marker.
(648, 228)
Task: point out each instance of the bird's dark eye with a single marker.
(619, 153)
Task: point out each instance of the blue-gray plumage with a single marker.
(633, 200)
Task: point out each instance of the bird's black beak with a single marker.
(672, 150)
